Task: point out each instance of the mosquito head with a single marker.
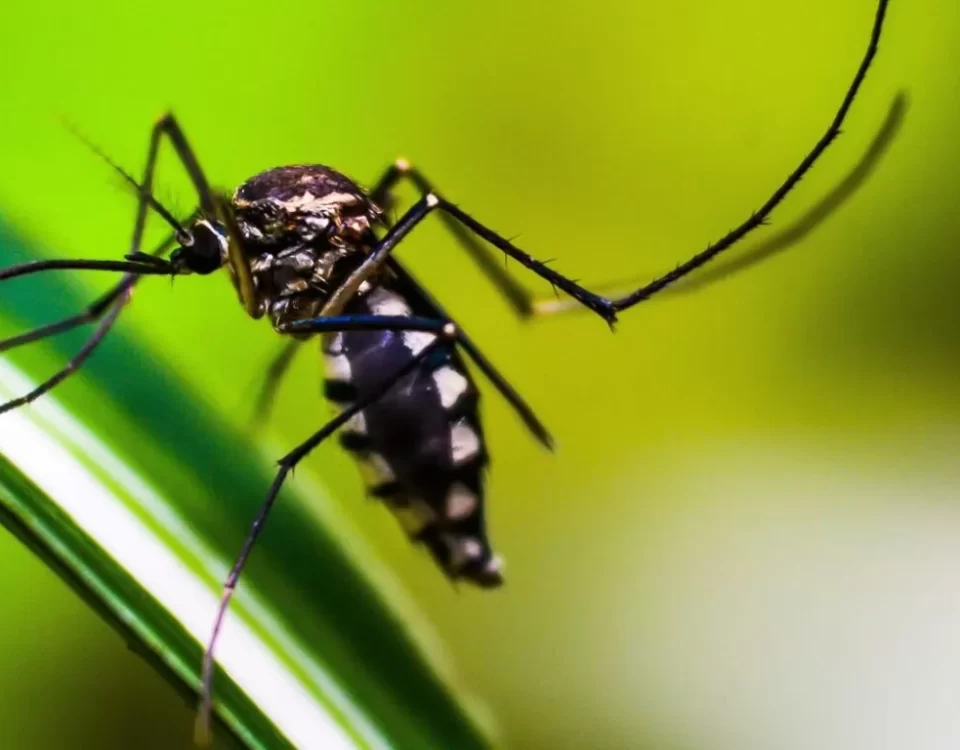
(204, 251)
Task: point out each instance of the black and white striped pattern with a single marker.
(420, 447)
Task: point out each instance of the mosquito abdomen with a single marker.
(420, 447)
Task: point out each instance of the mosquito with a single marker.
(308, 248)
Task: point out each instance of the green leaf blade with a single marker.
(313, 652)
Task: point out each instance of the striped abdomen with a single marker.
(420, 447)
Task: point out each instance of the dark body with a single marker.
(420, 447)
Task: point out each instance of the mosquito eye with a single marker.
(205, 254)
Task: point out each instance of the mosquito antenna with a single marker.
(183, 236)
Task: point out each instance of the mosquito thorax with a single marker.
(305, 228)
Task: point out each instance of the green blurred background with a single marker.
(749, 536)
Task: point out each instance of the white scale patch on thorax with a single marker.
(308, 202)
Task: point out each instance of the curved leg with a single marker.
(327, 324)
(609, 307)
(517, 297)
(109, 305)
(276, 371)
(446, 333)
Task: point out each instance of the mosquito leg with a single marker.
(92, 313)
(416, 323)
(789, 236)
(491, 266)
(773, 245)
(275, 372)
(168, 126)
(379, 255)
(608, 308)
(74, 364)
(212, 206)
(107, 306)
(525, 305)
(138, 268)
(519, 298)
(446, 334)
(110, 304)
(479, 359)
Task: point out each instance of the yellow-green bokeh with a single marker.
(619, 138)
